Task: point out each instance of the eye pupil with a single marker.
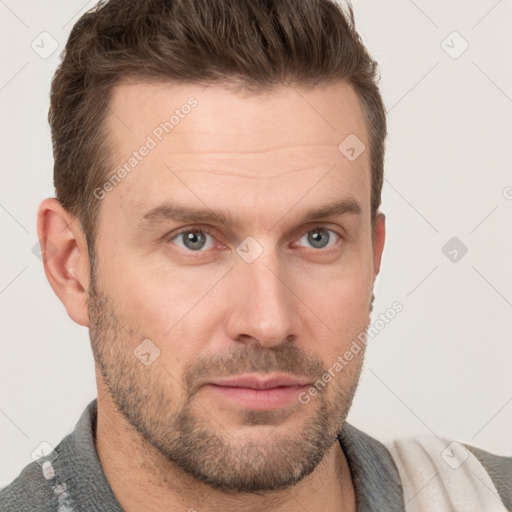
(196, 239)
(317, 237)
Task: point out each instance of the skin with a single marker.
(266, 159)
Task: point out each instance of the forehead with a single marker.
(209, 144)
(225, 119)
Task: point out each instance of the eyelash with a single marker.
(210, 232)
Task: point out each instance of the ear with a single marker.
(379, 235)
(65, 257)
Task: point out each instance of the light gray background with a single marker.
(443, 365)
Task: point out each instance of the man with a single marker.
(216, 226)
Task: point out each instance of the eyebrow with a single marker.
(169, 211)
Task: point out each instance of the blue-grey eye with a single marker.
(319, 238)
(194, 240)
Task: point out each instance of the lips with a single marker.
(259, 382)
(258, 392)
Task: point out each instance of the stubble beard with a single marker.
(189, 438)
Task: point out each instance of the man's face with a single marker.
(287, 301)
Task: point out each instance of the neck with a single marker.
(141, 478)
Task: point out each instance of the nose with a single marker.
(263, 304)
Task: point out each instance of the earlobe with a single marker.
(379, 236)
(65, 258)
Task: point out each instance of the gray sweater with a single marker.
(74, 481)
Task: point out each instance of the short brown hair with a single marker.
(258, 44)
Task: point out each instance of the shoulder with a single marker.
(30, 491)
(46, 484)
(438, 471)
(499, 468)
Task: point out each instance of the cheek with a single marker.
(172, 308)
(341, 296)
(340, 314)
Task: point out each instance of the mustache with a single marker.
(285, 358)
